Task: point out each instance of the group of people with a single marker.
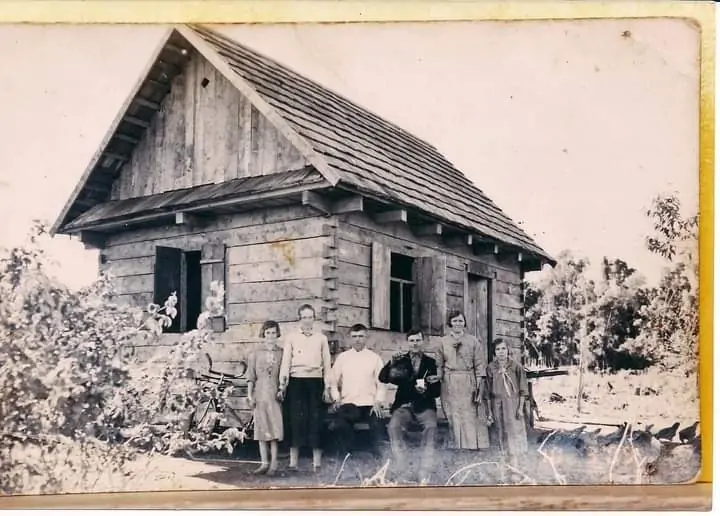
(294, 375)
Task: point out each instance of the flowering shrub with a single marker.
(157, 404)
(74, 401)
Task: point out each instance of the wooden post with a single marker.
(582, 350)
(581, 376)
(184, 218)
(387, 217)
(428, 230)
(316, 201)
(92, 240)
(349, 205)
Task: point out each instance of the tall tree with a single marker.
(555, 306)
(670, 323)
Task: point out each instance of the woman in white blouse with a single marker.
(305, 383)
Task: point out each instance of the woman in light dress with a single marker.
(462, 366)
(265, 396)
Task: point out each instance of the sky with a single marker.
(571, 127)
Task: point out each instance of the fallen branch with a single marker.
(379, 477)
(617, 452)
(497, 464)
(192, 457)
(547, 438)
(462, 480)
(342, 467)
(590, 423)
(561, 479)
(469, 467)
(638, 463)
(532, 480)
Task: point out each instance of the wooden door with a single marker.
(477, 309)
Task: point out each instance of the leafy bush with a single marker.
(74, 403)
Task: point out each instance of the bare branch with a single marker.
(617, 452)
(342, 467)
(469, 467)
(379, 477)
(560, 478)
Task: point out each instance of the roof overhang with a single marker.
(112, 153)
(230, 196)
(532, 258)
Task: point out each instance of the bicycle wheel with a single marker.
(202, 417)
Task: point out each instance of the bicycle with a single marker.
(208, 414)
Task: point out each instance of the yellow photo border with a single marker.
(327, 11)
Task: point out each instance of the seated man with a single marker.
(356, 390)
(415, 375)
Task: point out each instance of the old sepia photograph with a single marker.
(349, 255)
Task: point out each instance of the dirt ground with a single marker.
(645, 399)
(465, 468)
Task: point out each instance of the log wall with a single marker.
(274, 263)
(355, 236)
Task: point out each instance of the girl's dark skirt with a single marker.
(305, 411)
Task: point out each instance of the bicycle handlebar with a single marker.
(222, 374)
(225, 378)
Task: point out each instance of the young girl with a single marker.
(507, 389)
(305, 382)
(264, 395)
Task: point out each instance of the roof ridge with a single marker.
(448, 164)
(234, 52)
(200, 29)
(452, 167)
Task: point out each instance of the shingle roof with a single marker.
(349, 145)
(369, 152)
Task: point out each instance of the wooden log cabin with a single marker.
(225, 165)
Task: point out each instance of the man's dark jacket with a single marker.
(399, 371)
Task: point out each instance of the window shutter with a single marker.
(168, 279)
(380, 290)
(431, 285)
(212, 265)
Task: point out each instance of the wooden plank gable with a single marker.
(205, 132)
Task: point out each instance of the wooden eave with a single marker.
(126, 130)
(242, 194)
(416, 218)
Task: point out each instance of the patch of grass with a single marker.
(650, 397)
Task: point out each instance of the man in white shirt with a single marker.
(356, 390)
